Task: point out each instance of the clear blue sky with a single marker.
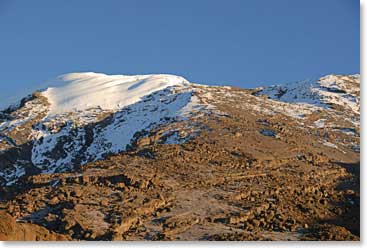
(233, 42)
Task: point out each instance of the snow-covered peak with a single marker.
(81, 91)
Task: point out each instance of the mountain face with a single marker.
(141, 157)
(338, 90)
(86, 117)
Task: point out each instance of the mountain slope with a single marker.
(99, 157)
(332, 89)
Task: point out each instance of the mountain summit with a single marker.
(82, 91)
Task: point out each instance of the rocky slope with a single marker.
(154, 157)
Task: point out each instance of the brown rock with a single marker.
(12, 231)
(76, 193)
(54, 201)
(104, 202)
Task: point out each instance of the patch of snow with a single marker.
(161, 108)
(327, 90)
(320, 123)
(33, 110)
(11, 175)
(68, 141)
(82, 91)
(356, 148)
(294, 110)
(348, 131)
(192, 106)
(326, 143)
(173, 139)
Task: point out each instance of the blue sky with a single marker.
(228, 42)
